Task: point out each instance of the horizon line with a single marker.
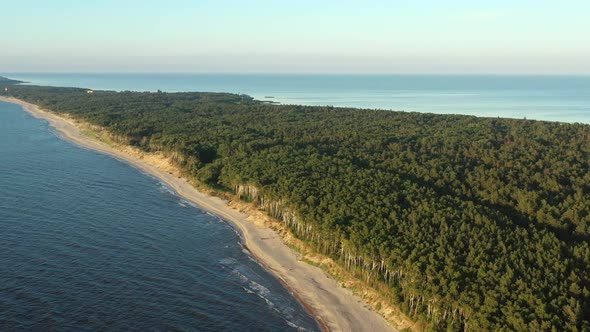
(293, 73)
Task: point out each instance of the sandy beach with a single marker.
(336, 308)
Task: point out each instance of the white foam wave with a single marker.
(295, 326)
(252, 287)
(164, 188)
(187, 203)
(228, 261)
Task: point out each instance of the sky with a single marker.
(296, 36)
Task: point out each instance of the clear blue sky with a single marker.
(301, 36)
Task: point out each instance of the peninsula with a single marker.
(453, 222)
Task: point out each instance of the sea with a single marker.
(537, 97)
(90, 243)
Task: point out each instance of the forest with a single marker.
(475, 224)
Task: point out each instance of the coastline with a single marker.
(335, 308)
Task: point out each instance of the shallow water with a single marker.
(88, 242)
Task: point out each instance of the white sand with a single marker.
(335, 307)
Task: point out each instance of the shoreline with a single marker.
(334, 307)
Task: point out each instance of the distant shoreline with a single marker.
(335, 308)
(556, 98)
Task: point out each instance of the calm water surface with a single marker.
(90, 243)
(553, 98)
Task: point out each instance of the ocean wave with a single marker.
(295, 326)
(165, 188)
(254, 288)
(186, 203)
(228, 261)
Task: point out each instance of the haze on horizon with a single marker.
(265, 36)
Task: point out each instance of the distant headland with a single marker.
(8, 81)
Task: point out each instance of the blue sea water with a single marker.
(552, 98)
(89, 243)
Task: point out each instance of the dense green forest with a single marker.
(479, 224)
